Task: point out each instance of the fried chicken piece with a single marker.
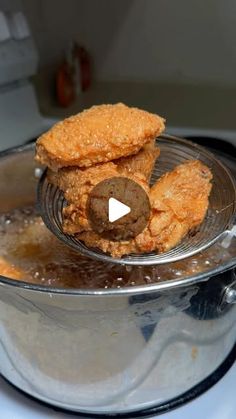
(179, 202)
(78, 183)
(142, 162)
(182, 196)
(100, 134)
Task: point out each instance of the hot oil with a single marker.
(29, 252)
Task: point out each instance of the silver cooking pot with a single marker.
(110, 351)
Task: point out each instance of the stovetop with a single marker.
(219, 402)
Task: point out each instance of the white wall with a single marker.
(188, 41)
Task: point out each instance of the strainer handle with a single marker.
(229, 296)
(230, 235)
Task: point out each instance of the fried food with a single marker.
(78, 183)
(142, 162)
(111, 141)
(179, 202)
(100, 134)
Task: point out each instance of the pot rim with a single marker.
(133, 290)
(139, 289)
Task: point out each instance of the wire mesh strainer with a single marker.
(174, 151)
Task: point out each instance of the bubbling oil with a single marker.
(29, 252)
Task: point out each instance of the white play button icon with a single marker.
(117, 210)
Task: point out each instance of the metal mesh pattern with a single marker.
(174, 151)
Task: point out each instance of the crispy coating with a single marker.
(99, 134)
(179, 201)
(142, 162)
(78, 183)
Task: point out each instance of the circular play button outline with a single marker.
(118, 208)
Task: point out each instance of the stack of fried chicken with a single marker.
(115, 140)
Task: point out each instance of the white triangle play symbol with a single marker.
(116, 210)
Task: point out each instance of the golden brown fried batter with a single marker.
(77, 183)
(99, 134)
(114, 140)
(179, 201)
(142, 162)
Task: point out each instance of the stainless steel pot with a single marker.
(118, 350)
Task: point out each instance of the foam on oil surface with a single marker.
(29, 252)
